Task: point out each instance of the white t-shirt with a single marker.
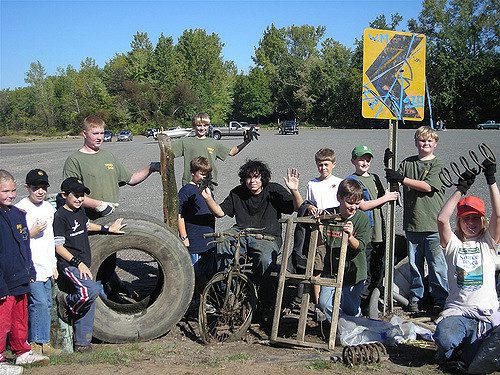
(471, 272)
(323, 193)
(42, 246)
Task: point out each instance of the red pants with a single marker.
(14, 320)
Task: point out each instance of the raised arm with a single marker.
(489, 172)
(443, 220)
(211, 203)
(374, 203)
(292, 183)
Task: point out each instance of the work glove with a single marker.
(388, 155)
(207, 182)
(155, 166)
(393, 176)
(465, 182)
(106, 208)
(250, 134)
(489, 171)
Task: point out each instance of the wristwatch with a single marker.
(183, 238)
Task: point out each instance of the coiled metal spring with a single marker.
(445, 174)
(364, 354)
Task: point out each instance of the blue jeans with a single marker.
(81, 304)
(350, 299)
(425, 245)
(39, 305)
(454, 332)
(263, 254)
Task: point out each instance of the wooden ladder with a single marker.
(308, 280)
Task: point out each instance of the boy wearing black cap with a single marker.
(71, 227)
(374, 197)
(39, 217)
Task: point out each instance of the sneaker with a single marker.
(320, 316)
(31, 357)
(62, 307)
(83, 348)
(45, 349)
(6, 369)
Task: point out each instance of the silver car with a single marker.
(124, 135)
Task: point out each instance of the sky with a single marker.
(62, 33)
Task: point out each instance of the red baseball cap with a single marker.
(470, 205)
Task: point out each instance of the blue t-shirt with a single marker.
(197, 217)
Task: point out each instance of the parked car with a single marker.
(289, 127)
(178, 132)
(150, 132)
(108, 136)
(235, 128)
(124, 135)
(490, 124)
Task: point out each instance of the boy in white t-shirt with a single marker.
(39, 217)
(322, 194)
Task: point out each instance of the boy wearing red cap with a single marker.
(466, 337)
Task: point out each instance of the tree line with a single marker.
(298, 73)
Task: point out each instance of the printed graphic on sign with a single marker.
(393, 75)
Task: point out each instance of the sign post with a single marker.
(394, 90)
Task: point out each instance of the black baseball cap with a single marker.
(74, 185)
(37, 177)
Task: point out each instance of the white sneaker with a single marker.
(31, 357)
(6, 369)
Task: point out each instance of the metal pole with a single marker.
(390, 228)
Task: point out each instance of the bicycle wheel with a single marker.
(226, 313)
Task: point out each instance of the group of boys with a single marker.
(92, 177)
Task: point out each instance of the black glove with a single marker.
(207, 181)
(250, 134)
(388, 155)
(489, 171)
(155, 166)
(465, 182)
(393, 176)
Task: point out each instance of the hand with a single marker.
(489, 171)
(155, 166)
(250, 134)
(106, 208)
(391, 196)
(314, 211)
(465, 182)
(38, 228)
(348, 227)
(393, 176)
(117, 226)
(388, 155)
(207, 182)
(55, 273)
(206, 193)
(84, 271)
(292, 179)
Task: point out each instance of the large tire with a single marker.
(156, 315)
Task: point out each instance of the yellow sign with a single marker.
(393, 75)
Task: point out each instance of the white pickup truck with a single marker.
(490, 124)
(235, 128)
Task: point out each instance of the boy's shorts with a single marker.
(319, 258)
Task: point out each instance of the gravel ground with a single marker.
(279, 151)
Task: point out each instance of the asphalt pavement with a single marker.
(278, 151)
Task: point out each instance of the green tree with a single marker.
(253, 96)
(42, 99)
(209, 76)
(463, 64)
(287, 56)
